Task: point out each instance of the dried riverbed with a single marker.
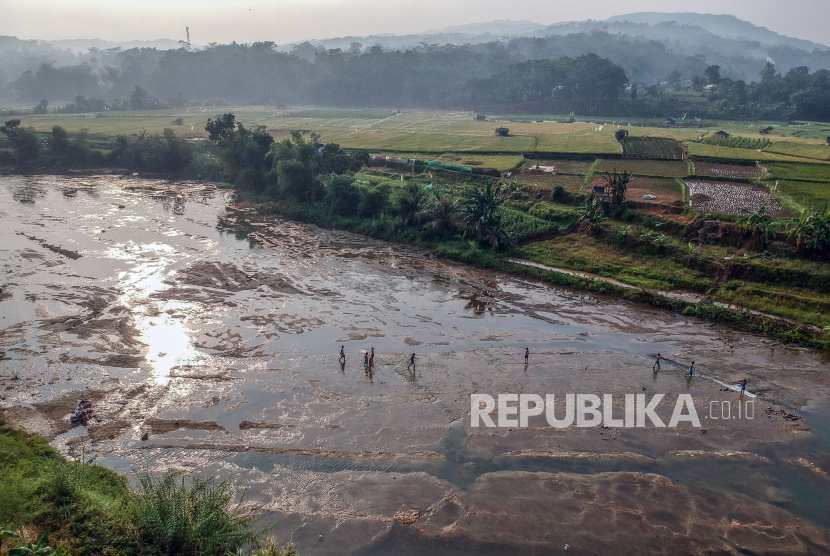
(207, 339)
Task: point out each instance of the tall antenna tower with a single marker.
(186, 43)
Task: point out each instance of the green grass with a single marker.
(728, 153)
(805, 194)
(587, 254)
(796, 303)
(802, 150)
(816, 172)
(91, 509)
(664, 168)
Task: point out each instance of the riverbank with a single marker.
(684, 302)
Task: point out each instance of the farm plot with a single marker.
(664, 168)
(789, 171)
(729, 198)
(726, 170)
(805, 150)
(568, 182)
(806, 194)
(666, 190)
(580, 167)
(651, 147)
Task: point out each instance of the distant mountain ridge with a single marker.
(723, 25)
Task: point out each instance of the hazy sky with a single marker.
(285, 21)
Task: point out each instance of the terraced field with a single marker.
(729, 198)
(665, 168)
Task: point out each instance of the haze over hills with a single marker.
(649, 48)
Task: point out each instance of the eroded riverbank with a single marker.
(213, 333)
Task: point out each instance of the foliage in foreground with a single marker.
(91, 510)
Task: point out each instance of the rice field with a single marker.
(667, 190)
(581, 167)
(728, 198)
(726, 170)
(805, 194)
(714, 151)
(801, 149)
(817, 172)
(569, 182)
(651, 147)
(664, 168)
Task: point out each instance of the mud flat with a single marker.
(207, 340)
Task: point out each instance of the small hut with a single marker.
(723, 134)
(502, 131)
(481, 118)
(620, 134)
(177, 121)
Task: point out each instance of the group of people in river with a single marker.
(689, 373)
(369, 363)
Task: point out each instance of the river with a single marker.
(207, 337)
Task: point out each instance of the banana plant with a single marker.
(39, 548)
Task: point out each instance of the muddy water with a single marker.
(207, 339)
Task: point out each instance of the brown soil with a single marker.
(320, 453)
(163, 426)
(246, 425)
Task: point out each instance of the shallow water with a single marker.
(179, 309)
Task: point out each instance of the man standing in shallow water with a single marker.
(342, 355)
(656, 366)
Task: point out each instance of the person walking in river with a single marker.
(656, 366)
(743, 388)
(366, 359)
(691, 370)
(411, 362)
(342, 355)
(527, 353)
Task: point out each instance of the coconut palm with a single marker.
(440, 211)
(482, 214)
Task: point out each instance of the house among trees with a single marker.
(502, 131)
(766, 130)
(481, 118)
(723, 134)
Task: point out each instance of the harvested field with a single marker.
(669, 169)
(549, 181)
(580, 167)
(651, 147)
(726, 170)
(667, 190)
(728, 198)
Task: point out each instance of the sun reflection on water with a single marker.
(159, 322)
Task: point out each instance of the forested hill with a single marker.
(589, 68)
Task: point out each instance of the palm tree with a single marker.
(483, 216)
(440, 211)
(482, 207)
(759, 222)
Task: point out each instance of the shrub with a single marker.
(190, 520)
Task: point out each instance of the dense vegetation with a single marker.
(80, 508)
